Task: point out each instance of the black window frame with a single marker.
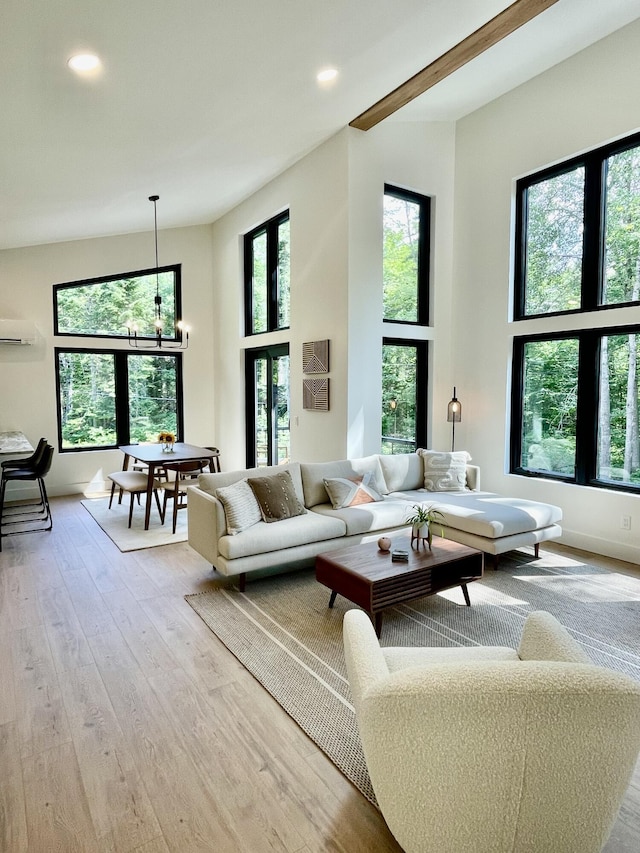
(593, 239)
(592, 290)
(121, 385)
(422, 377)
(270, 227)
(175, 268)
(589, 348)
(423, 283)
(251, 356)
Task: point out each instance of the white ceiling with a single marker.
(204, 101)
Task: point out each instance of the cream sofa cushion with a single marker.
(314, 473)
(288, 533)
(368, 518)
(485, 513)
(402, 471)
(210, 482)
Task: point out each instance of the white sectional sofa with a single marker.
(483, 520)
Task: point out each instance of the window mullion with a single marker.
(587, 407)
(422, 372)
(248, 285)
(593, 240)
(121, 378)
(517, 407)
(271, 404)
(424, 251)
(272, 275)
(520, 264)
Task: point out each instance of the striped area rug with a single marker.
(283, 632)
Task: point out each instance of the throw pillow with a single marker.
(277, 496)
(344, 492)
(241, 509)
(445, 472)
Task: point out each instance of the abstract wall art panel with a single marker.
(315, 357)
(315, 394)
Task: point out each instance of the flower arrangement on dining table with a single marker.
(167, 439)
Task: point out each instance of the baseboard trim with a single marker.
(598, 545)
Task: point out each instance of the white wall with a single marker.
(27, 373)
(315, 192)
(335, 199)
(418, 157)
(579, 104)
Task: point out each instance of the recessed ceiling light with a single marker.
(84, 62)
(326, 75)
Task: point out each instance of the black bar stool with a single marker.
(35, 513)
(26, 461)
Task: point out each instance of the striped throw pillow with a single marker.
(241, 509)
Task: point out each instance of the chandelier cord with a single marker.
(158, 299)
(154, 199)
(181, 340)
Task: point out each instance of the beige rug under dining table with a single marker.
(154, 456)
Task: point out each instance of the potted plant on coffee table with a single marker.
(421, 519)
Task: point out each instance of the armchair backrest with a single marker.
(544, 638)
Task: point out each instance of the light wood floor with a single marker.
(126, 725)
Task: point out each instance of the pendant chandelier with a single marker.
(182, 331)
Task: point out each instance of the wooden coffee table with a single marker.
(368, 577)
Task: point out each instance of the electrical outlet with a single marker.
(625, 522)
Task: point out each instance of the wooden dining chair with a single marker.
(214, 462)
(180, 475)
(136, 483)
(137, 465)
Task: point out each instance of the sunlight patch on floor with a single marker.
(589, 587)
(481, 595)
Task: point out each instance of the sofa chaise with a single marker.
(327, 505)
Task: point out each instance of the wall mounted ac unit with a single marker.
(17, 332)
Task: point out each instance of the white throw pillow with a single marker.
(445, 472)
(241, 509)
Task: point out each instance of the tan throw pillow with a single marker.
(277, 496)
(344, 492)
(241, 509)
(444, 472)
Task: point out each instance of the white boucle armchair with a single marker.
(489, 749)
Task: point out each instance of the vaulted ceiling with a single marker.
(204, 101)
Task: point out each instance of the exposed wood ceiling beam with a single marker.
(509, 20)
